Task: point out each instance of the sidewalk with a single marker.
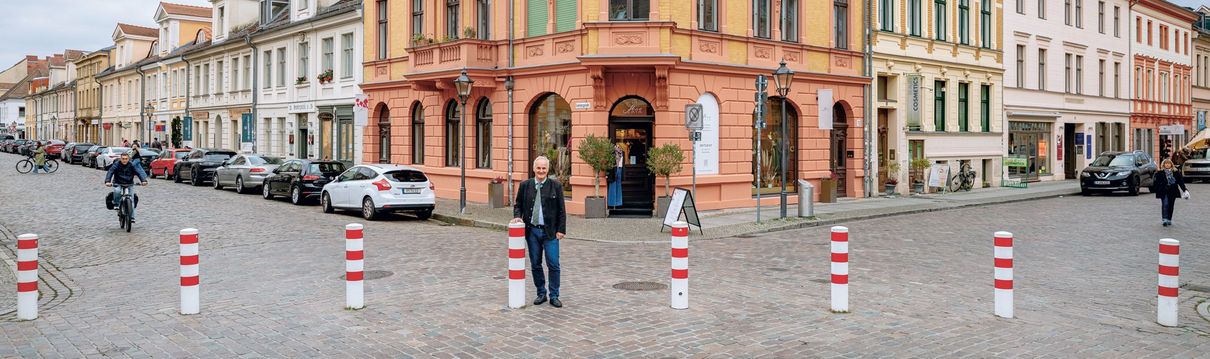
(742, 221)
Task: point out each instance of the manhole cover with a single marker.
(639, 286)
(374, 274)
(1203, 309)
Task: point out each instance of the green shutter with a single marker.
(537, 19)
(565, 15)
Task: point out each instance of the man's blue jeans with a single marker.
(117, 196)
(538, 243)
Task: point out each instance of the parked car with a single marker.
(15, 147)
(375, 189)
(146, 155)
(109, 156)
(198, 167)
(54, 148)
(4, 144)
(90, 157)
(245, 171)
(75, 153)
(301, 180)
(26, 149)
(163, 165)
(1197, 168)
(1118, 171)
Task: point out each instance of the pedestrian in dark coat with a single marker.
(539, 204)
(1168, 185)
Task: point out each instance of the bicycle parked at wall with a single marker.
(963, 180)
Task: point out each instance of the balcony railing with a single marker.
(454, 55)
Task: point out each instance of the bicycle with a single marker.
(963, 180)
(125, 207)
(26, 165)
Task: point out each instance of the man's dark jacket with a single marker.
(553, 210)
(124, 174)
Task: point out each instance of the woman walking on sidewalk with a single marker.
(1168, 186)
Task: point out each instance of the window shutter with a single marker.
(565, 15)
(537, 18)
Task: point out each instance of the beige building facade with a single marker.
(1201, 68)
(165, 72)
(121, 100)
(88, 95)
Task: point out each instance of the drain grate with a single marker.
(640, 286)
(374, 274)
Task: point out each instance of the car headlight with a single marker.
(1085, 174)
(1121, 174)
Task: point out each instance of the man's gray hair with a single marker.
(541, 158)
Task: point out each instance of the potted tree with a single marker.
(495, 192)
(891, 169)
(597, 152)
(664, 161)
(827, 188)
(918, 166)
(469, 33)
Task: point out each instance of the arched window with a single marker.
(452, 121)
(550, 136)
(417, 133)
(384, 134)
(483, 134)
(770, 149)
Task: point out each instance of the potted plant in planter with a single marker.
(918, 166)
(469, 33)
(664, 161)
(300, 80)
(324, 77)
(495, 192)
(891, 169)
(421, 40)
(597, 152)
(827, 188)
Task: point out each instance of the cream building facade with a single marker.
(121, 99)
(165, 72)
(1201, 68)
(937, 89)
(219, 77)
(88, 95)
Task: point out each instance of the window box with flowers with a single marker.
(325, 77)
(495, 193)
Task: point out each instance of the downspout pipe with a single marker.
(255, 51)
(142, 100)
(871, 171)
(509, 87)
(100, 110)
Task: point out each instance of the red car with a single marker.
(54, 148)
(162, 166)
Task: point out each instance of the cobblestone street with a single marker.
(271, 286)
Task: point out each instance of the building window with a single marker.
(550, 136)
(1163, 86)
(914, 17)
(384, 134)
(1149, 37)
(281, 67)
(1101, 16)
(451, 18)
(483, 134)
(247, 72)
(939, 106)
(770, 148)
(1080, 14)
(707, 15)
(629, 10)
(417, 133)
(789, 19)
(1020, 6)
(565, 15)
(760, 18)
(985, 23)
(1117, 81)
(1020, 66)
(325, 59)
(452, 140)
(985, 114)
(1042, 69)
(964, 21)
(417, 18)
(222, 12)
(1163, 37)
(484, 15)
(1041, 8)
(1067, 12)
(235, 78)
(1079, 74)
(218, 78)
(1101, 78)
(1138, 29)
(268, 65)
(963, 106)
(886, 18)
(840, 8)
(939, 18)
(346, 56)
(536, 11)
(1067, 73)
(304, 49)
(205, 82)
(1116, 20)
(383, 34)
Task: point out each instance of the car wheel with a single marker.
(296, 195)
(176, 176)
(424, 214)
(367, 209)
(239, 185)
(326, 202)
(193, 180)
(1134, 188)
(217, 185)
(151, 174)
(264, 191)
(1085, 192)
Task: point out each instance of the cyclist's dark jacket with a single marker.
(124, 174)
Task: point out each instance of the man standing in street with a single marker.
(539, 204)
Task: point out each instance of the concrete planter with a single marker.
(595, 207)
(827, 191)
(890, 189)
(661, 206)
(495, 195)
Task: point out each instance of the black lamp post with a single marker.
(783, 77)
(147, 126)
(464, 84)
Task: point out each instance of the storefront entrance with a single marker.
(1069, 151)
(630, 131)
(1029, 140)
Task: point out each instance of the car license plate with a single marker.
(1101, 182)
(411, 191)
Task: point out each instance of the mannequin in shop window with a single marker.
(615, 179)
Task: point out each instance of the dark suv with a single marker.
(1118, 171)
(198, 167)
(301, 180)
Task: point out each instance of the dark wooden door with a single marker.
(840, 129)
(638, 184)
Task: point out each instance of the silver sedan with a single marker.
(245, 172)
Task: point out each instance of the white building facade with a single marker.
(219, 79)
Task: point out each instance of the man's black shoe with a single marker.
(555, 302)
(541, 299)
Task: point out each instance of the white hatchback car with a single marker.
(378, 188)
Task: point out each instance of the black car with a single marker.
(1118, 171)
(198, 167)
(301, 180)
(145, 156)
(90, 157)
(75, 153)
(13, 146)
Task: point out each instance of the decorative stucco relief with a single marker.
(628, 38)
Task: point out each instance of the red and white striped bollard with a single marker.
(680, 265)
(1169, 282)
(190, 273)
(27, 276)
(840, 269)
(516, 265)
(1004, 274)
(354, 267)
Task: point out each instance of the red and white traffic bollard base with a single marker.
(1004, 274)
(27, 276)
(354, 267)
(516, 265)
(1168, 299)
(190, 273)
(840, 269)
(680, 265)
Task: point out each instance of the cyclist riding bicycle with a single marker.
(121, 175)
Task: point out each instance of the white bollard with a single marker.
(1168, 299)
(516, 265)
(1004, 274)
(680, 265)
(354, 268)
(27, 276)
(840, 269)
(190, 273)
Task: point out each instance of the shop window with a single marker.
(550, 136)
(770, 149)
(452, 138)
(483, 134)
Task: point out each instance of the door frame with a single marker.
(645, 122)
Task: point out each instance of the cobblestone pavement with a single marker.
(921, 284)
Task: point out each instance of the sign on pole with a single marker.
(693, 117)
(187, 129)
(913, 101)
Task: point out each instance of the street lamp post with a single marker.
(464, 84)
(783, 77)
(147, 125)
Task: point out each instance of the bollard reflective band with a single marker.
(516, 274)
(355, 255)
(1003, 242)
(1169, 270)
(516, 231)
(840, 279)
(1003, 284)
(1168, 292)
(1004, 262)
(840, 257)
(354, 276)
(189, 260)
(27, 287)
(1170, 249)
(680, 231)
(352, 234)
(680, 274)
(27, 243)
(680, 253)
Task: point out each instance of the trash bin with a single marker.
(806, 199)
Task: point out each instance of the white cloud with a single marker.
(45, 27)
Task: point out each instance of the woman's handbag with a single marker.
(1184, 194)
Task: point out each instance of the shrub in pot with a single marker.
(918, 166)
(891, 169)
(664, 161)
(597, 152)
